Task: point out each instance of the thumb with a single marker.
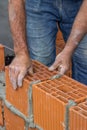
(53, 66)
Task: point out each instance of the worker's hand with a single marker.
(19, 67)
(61, 63)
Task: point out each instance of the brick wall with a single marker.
(46, 101)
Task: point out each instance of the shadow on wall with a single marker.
(5, 35)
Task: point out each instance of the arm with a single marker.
(78, 31)
(21, 63)
(17, 24)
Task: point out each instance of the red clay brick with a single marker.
(60, 41)
(2, 61)
(50, 99)
(60, 44)
(12, 121)
(78, 117)
(20, 97)
(58, 50)
(59, 35)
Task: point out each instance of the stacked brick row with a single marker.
(46, 101)
(20, 98)
(51, 99)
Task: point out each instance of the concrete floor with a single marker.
(5, 35)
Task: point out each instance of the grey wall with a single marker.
(5, 35)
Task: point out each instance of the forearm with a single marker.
(79, 29)
(17, 24)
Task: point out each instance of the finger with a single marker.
(14, 84)
(30, 70)
(62, 69)
(54, 66)
(11, 73)
(21, 77)
(13, 76)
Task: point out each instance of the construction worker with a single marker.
(34, 28)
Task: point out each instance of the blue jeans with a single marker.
(42, 18)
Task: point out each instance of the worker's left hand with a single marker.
(61, 63)
(20, 66)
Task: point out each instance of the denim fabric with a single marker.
(79, 62)
(42, 17)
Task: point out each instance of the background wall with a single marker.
(5, 34)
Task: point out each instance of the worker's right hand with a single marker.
(61, 62)
(19, 67)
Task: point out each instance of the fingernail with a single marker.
(14, 86)
(51, 68)
(19, 83)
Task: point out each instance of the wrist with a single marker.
(21, 49)
(70, 47)
(22, 52)
(68, 51)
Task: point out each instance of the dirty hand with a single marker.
(61, 63)
(19, 67)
